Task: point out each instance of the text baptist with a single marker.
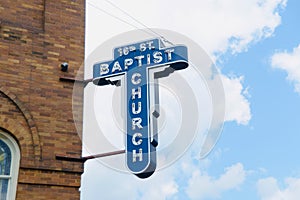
(156, 57)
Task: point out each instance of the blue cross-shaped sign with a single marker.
(141, 64)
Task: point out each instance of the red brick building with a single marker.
(36, 119)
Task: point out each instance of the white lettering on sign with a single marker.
(135, 155)
(142, 47)
(136, 78)
(126, 50)
(137, 135)
(127, 63)
(116, 67)
(156, 57)
(137, 92)
(139, 59)
(133, 108)
(136, 108)
(136, 122)
(169, 53)
(104, 69)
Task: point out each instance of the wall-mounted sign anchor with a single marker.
(64, 67)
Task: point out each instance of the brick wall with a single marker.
(36, 36)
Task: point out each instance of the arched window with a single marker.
(9, 166)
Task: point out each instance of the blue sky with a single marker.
(271, 139)
(255, 45)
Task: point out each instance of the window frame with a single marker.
(14, 168)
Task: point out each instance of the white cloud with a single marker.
(100, 180)
(202, 186)
(268, 189)
(290, 62)
(237, 105)
(186, 179)
(161, 187)
(218, 26)
(160, 193)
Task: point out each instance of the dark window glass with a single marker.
(5, 164)
(3, 188)
(5, 158)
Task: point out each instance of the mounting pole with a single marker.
(85, 158)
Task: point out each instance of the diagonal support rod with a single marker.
(85, 158)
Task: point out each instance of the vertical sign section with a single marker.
(140, 63)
